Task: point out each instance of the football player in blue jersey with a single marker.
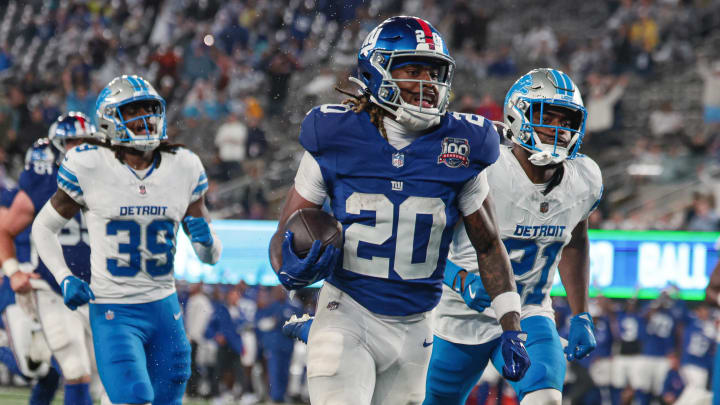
(135, 190)
(660, 338)
(543, 192)
(400, 172)
(25, 359)
(627, 363)
(698, 346)
(37, 293)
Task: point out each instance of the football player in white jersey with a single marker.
(543, 192)
(135, 189)
(400, 170)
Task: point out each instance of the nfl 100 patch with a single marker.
(455, 152)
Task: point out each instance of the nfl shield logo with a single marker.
(142, 189)
(398, 159)
(109, 315)
(544, 206)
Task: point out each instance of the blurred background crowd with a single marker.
(239, 76)
(648, 350)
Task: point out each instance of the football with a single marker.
(310, 224)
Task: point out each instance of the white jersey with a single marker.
(534, 228)
(132, 220)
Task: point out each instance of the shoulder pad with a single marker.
(326, 117)
(484, 139)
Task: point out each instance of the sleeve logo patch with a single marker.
(455, 152)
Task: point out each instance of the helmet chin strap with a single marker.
(415, 120)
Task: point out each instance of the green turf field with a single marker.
(20, 396)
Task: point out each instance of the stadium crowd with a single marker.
(243, 73)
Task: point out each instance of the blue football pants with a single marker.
(141, 350)
(455, 368)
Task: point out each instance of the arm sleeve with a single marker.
(200, 180)
(309, 182)
(67, 179)
(45, 229)
(473, 194)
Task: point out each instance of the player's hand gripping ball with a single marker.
(311, 249)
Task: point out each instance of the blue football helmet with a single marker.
(399, 41)
(536, 91)
(118, 94)
(73, 125)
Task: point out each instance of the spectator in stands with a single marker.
(257, 144)
(703, 217)
(5, 58)
(604, 92)
(489, 108)
(255, 192)
(280, 62)
(502, 63)
(665, 121)
(710, 73)
(80, 98)
(231, 142)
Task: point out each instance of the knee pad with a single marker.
(74, 361)
(543, 397)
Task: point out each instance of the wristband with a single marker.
(10, 266)
(451, 273)
(509, 301)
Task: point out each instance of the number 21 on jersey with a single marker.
(411, 241)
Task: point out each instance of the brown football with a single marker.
(310, 224)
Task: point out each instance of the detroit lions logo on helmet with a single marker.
(455, 152)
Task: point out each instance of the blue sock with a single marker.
(7, 358)
(615, 395)
(44, 391)
(77, 394)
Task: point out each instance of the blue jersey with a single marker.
(397, 207)
(603, 336)
(269, 321)
(659, 337)
(698, 343)
(39, 182)
(630, 327)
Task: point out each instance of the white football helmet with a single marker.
(126, 90)
(537, 90)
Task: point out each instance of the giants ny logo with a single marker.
(455, 152)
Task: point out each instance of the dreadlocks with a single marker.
(362, 102)
(121, 151)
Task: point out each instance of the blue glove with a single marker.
(473, 291)
(199, 230)
(581, 340)
(76, 292)
(512, 347)
(298, 328)
(298, 273)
